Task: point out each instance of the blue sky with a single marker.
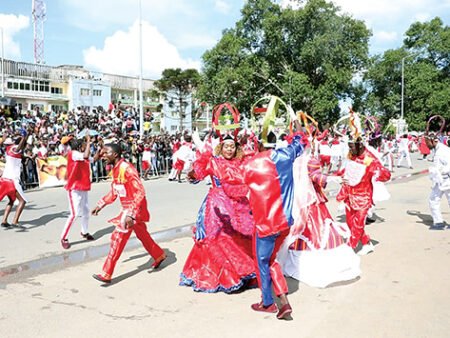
(102, 35)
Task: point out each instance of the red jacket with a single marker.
(128, 187)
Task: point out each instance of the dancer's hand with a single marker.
(95, 211)
(129, 222)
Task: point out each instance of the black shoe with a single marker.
(6, 225)
(87, 236)
(370, 220)
(437, 226)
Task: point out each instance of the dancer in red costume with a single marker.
(128, 187)
(357, 190)
(221, 258)
(13, 168)
(319, 256)
(269, 177)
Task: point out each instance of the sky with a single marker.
(104, 35)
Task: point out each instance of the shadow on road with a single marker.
(425, 219)
(171, 259)
(43, 220)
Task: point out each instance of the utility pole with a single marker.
(141, 103)
(3, 67)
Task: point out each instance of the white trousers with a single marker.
(79, 207)
(435, 203)
(404, 155)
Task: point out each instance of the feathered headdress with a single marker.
(270, 114)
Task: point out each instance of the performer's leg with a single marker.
(118, 242)
(84, 206)
(140, 228)
(73, 208)
(276, 272)
(435, 204)
(19, 209)
(408, 159)
(264, 249)
(356, 220)
(7, 211)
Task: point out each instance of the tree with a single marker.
(307, 55)
(177, 87)
(426, 54)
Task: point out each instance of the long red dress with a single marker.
(221, 258)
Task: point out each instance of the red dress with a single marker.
(221, 258)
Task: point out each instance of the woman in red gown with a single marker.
(221, 258)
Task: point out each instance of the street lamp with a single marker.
(3, 66)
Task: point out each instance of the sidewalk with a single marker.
(403, 291)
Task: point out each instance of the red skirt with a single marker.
(7, 188)
(179, 165)
(222, 263)
(145, 165)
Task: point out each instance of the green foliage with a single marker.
(426, 53)
(176, 86)
(308, 56)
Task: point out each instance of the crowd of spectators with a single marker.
(115, 124)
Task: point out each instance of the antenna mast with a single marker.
(38, 12)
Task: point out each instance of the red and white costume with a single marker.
(78, 186)
(128, 187)
(13, 168)
(358, 193)
(146, 158)
(319, 256)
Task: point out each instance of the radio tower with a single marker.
(38, 12)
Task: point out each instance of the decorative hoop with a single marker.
(353, 121)
(271, 116)
(442, 124)
(223, 123)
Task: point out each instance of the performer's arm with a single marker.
(109, 198)
(87, 151)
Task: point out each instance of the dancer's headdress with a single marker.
(225, 120)
(270, 114)
(352, 123)
(441, 123)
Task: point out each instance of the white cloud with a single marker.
(222, 6)
(384, 36)
(120, 53)
(422, 17)
(11, 25)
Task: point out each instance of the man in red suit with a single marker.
(357, 191)
(269, 177)
(128, 187)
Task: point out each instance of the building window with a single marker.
(97, 92)
(10, 85)
(27, 86)
(84, 92)
(56, 90)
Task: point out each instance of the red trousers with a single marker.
(356, 221)
(119, 240)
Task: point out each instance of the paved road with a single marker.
(171, 205)
(403, 291)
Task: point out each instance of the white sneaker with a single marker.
(367, 248)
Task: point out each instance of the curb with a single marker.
(11, 273)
